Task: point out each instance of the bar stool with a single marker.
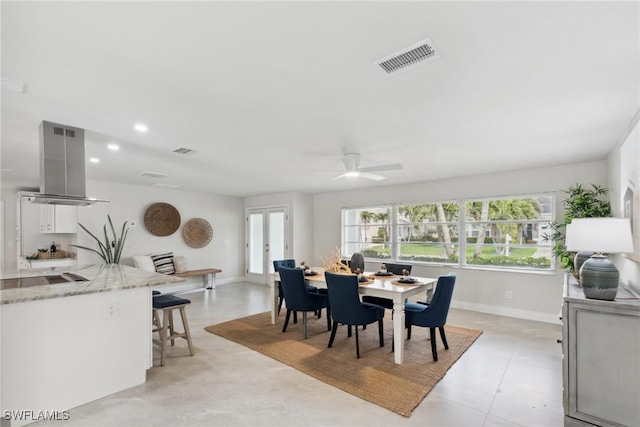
(166, 304)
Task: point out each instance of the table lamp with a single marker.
(598, 276)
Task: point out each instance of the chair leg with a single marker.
(409, 332)
(444, 338)
(304, 325)
(295, 317)
(328, 318)
(349, 331)
(280, 301)
(333, 333)
(185, 325)
(432, 334)
(171, 330)
(381, 332)
(286, 320)
(163, 341)
(357, 343)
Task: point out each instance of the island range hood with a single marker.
(62, 167)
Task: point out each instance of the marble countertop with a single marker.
(101, 278)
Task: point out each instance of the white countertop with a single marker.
(102, 278)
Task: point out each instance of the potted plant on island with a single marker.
(579, 203)
(109, 249)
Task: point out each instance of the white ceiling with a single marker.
(269, 95)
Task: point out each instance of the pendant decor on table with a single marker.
(197, 233)
(162, 219)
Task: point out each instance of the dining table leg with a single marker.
(398, 331)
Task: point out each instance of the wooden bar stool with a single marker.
(166, 304)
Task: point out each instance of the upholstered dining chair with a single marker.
(386, 302)
(288, 263)
(300, 299)
(433, 315)
(347, 309)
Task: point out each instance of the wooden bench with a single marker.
(208, 276)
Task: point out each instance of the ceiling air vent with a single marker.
(181, 150)
(153, 175)
(418, 54)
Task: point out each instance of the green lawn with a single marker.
(436, 251)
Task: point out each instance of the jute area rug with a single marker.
(374, 377)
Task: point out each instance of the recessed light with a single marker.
(113, 147)
(141, 127)
(94, 160)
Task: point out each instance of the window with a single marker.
(428, 232)
(508, 232)
(367, 231)
(504, 233)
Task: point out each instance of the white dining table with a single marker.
(380, 286)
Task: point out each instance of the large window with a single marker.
(505, 233)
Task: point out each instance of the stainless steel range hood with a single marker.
(62, 167)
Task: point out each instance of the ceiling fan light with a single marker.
(352, 174)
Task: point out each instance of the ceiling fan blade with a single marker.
(372, 176)
(338, 177)
(380, 168)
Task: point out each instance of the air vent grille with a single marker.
(181, 150)
(62, 132)
(166, 185)
(153, 175)
(418, 54)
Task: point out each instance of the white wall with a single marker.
(629, 269)
(129, 203)
(536, 296)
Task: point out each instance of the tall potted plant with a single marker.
(111, 247)
(579, 203)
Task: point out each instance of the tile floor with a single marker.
(511, 376)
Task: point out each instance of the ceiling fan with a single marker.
(352, 168)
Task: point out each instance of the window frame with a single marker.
(545, 217)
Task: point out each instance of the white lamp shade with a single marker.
(603, 235)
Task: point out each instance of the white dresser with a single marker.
(601, 362)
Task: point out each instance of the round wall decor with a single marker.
(162, 219)
(197, 233)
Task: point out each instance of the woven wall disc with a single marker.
(162, 219)
(197, 233)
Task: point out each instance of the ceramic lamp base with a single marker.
(578, 260)
(599, 278)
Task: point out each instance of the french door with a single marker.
(267, 237)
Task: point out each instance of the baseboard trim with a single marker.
(508, 312)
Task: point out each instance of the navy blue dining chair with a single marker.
(300, 299)
(288, 263)
(433, 315)
(347, 309)
(387, 302)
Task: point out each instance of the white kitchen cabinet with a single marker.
(58, 219)
(601, 364)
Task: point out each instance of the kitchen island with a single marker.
(64, 344)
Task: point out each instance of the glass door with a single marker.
(266, 241)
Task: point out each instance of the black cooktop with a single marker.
(27, 282)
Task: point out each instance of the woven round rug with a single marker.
(197, 233)
(162, 219)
